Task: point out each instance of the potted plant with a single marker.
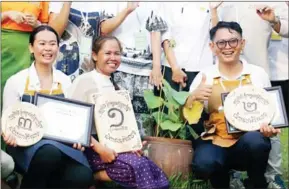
(169, 120)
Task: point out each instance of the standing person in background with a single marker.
(85, 22)
(18, 19)
(139, 34)
(278, 62)
(186, 42)
(257, 33)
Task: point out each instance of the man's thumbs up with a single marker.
(203, 91)
(204, 78)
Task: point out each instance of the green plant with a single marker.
(166, 110)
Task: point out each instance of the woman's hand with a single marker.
(78, 147)
(139, 153)
(131, 6)
(269, 130)
(31, 20)
(9, 140)
(106, 154)
(215, 5)
(178, 76)
(156, 77)
(16, 16)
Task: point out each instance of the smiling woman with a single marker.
(47, 163)
(130, 169)
(18, 19)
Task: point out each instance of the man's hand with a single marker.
(31, 20)
(156, 77)
(131, 6)
(269, 130)
(9, 140)
(203, 91)
(266, 13)
(16, 16)
(179, 76)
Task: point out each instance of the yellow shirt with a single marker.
(37, 9)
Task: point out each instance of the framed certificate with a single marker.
(280, 118)
(68, 121)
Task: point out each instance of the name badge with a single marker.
(85, 45)
(173, 43)
(140, 39)
(85, 53)
(275, 36)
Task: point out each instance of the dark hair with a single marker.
(229, 25)
(97, 45)
(42, 28)
(100, 40)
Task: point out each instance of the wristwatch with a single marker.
(275, 21)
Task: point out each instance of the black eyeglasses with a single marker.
(233, 43)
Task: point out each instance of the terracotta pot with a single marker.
(173, 156)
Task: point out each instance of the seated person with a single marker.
(216, 151)
(131, 170)
(48, 163)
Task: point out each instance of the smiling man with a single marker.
(258, 31)
(216, 151)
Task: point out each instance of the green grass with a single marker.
(284, 147)
(177, 183)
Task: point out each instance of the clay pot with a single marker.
(173, 156)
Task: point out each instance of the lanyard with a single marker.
(138, 20)
(85, 26)
(85, 18)
(223, 86)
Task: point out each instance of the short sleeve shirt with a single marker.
(258, 76)
(37, 9)
(75, 47)
(137, 56)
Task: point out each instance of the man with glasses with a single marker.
(216, 151)
(257, 33)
